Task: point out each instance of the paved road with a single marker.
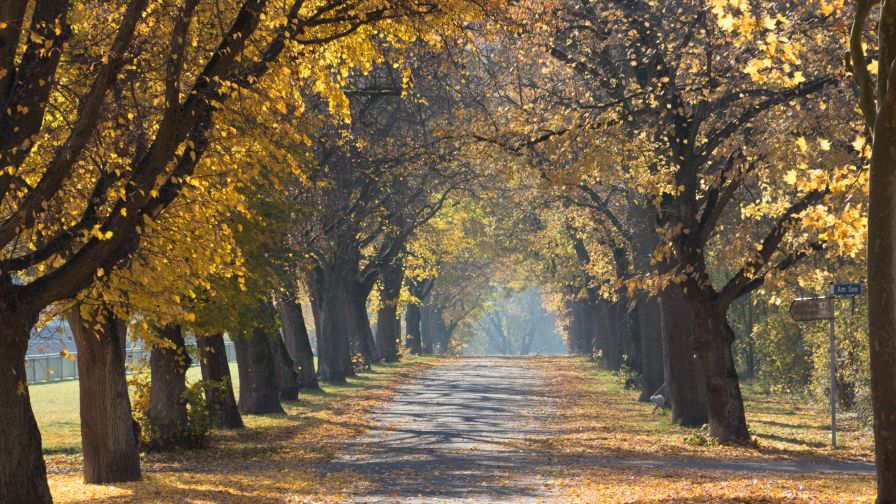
(456, 434)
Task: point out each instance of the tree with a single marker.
(167, 416)
(878, 107)
(219, 388)
(295, 333)
(259, 384)
(108, 436)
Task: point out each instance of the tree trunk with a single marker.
(426, 329)
(287, 379)
(713, 338)
(109, 441)
(881, 263)
(334, 358)
(315, 288)
(295, 333)
(259, 391)
(588, 327)
(358, 322)
(585, 318)
(439, 335)
(414, 337)
(573, 328)
(215, 368)
(388, 332)
(650, 327)
(624, 327)
(606, 322)
(631, 328)
(23, 475)
(684, 379)
(388, 326)
(167, 405)
(644, 242)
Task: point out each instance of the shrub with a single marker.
(200, 419)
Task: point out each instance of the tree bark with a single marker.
(414, 337)
(358, 322)
(259, 390)
(295, 333)
(109, 441)
(167, 405)
(287, 379)
(426, 329)
(334, 358)
(315, 288)
(215, 368)
(632, 329)
(587, 327)
(650, 327)
(23, 475)
(684, 379)
(881, 262)
(437, 330)
(606, 322)
(388, 326)
(573, 328)
(712, 342)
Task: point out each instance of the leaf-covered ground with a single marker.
(590, 440)
(604, 428)
(276, 459)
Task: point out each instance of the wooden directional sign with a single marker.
(807, 309)
(847, 289)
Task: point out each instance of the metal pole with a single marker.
(833, 367)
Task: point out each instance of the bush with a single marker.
(627, 377)
(200, 419)
(784, 354)
(701, 437)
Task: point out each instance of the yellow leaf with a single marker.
(790, 177)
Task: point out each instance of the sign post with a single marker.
(809, 309)
(840, 289)
(833, 367)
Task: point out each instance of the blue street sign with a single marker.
(847, 289)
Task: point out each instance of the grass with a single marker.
(272, 460)
(56, 406)
(602, 421)
(782, 425)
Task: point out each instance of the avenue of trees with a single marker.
(659, 178)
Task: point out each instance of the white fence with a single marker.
(48, 368)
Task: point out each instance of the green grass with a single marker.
(56, 407)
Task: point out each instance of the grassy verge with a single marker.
(56, 407)
(270, 461)
(601, 421)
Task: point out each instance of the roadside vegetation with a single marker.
(603, 425)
